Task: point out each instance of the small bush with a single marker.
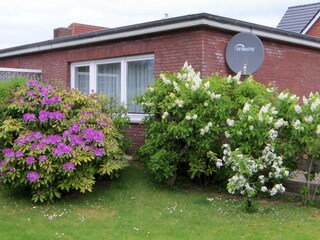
(57, 141)
(7, 90)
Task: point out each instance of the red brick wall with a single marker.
(315, 29)
(136, 132)
(285, 65)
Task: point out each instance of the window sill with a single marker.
(136, 118)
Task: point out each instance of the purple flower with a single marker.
(76, 140)
(33, 176)
(51, 101)
(66, 133)
(37, 146)
(11, 169)
(21, 100)
(88, 148)
(42, 158)
(20, 141)
(43, 115)
(52, 139)
(101, 123)
(82, 120)
(87, 113)
(44, 94)
(3, 162)
(36, 135)
(29, 117)
(8, 152)
(49, 87)
(29, 160)
(32, 83)
(61, 149)
(90, 134)
(19, 154)
(57, 115)
(30, 93)
(70, 166)
(98, 152)
(75, 127)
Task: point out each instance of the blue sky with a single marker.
(23, 22)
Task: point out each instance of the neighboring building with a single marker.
(123, 61)
(302, 19)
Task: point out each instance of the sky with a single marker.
(29, 21)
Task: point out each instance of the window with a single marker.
(122, 78)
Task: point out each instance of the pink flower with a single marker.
(33, 176)
(29, 117)
(42, 158)
(19, 154)
(29, 160)
(8, 152)
(98, 152)
(70, 166)
(32, 83)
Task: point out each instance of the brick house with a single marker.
(123, 61)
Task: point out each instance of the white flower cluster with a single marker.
(179, 103)
(246, 107)
(298, 109)
(308, 119)
(280, 123)
(273, 134)
(193, 117)
(246, 169)
(206, 129)
(283, 96)
(230, 122)
(165, 115)
(315, 104)
(164, 79)
(213, 95)
(297, 125)
(176, 86)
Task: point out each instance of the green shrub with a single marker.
(120, 119)
(57, 141)
(7, 90)
(192, 120)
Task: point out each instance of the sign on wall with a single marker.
(245, 53)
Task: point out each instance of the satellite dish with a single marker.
(245, 53)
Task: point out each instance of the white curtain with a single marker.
(109, 79)
(139, 75)
(82, 79)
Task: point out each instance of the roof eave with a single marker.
(202, 19)
(311, 23)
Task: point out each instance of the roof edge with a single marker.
(170, 24)
(311, 23)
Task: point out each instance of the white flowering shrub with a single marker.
(190, 116)
(190, 120)
(251, 175)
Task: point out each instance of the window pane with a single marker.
(82, 79)
(109, 79)
(139, 75)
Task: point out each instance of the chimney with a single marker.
(75, 29)
(61, 32)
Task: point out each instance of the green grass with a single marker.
(132, 207)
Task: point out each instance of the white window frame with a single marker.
(134, 117)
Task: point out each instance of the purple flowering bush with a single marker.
(56, 141)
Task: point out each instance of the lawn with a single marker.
(132, 207)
